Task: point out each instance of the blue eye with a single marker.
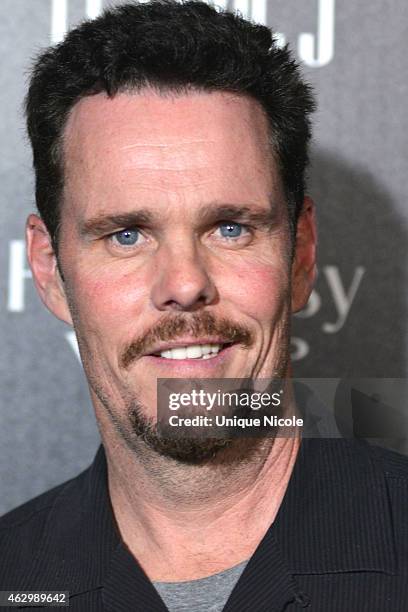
(126, 237)
(231, 230)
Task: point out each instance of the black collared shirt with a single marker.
(338, 544)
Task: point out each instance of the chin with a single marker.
(184, 450)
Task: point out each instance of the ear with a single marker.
(43, 264)
(304, 260)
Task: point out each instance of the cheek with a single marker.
(259, 290)
(108, 302)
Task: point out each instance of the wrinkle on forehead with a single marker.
(165, 145)
(166, 156)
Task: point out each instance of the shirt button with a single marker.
(302, 600)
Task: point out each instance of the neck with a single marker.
(183, 522)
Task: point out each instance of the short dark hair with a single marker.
(170, 46)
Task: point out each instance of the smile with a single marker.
(193, 351)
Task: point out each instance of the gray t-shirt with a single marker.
(207, 594)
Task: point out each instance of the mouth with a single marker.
(192, 354)
(192, 351)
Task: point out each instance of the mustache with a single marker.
(196, 325)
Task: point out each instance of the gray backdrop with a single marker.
(354, 52)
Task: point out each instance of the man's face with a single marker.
(174, 236)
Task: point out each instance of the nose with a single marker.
(182, 281)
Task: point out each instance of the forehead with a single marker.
(214, 144)
(166, 117)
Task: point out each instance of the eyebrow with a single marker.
(211, 213)
(103, 223)
(244, 214)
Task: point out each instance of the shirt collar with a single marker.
(334, 518)
(80, 535)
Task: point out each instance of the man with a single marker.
(170, 143)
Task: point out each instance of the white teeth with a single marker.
(194, 351)
(178, 353)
